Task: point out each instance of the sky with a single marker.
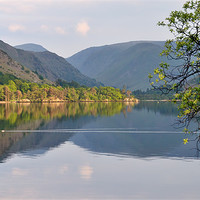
(69, 26)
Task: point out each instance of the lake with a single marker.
(95, 151)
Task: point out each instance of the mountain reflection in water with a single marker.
(113, 129)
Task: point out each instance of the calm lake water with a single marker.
(95, 151)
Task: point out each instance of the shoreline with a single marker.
(163, 100)
(65, 101)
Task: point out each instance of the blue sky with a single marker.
(68, 26)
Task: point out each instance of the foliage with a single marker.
(5, 78)
(63, 83)
(185, 49)
(17, 90)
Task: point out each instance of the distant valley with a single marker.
(123, 64)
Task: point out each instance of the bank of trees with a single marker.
(18, 90)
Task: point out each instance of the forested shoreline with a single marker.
(21, 91)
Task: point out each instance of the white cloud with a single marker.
(26, 8)
(16, 27)
(82, 28)
(44, 28)
(60, 30)
(17, 6)
(19, 172)
(5, 9)
(47, 2)
(25, 1)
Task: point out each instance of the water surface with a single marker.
(95, 151)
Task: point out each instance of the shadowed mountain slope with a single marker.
(47, 64)
(9, 66)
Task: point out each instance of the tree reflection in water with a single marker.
(21, 115)
(84, 124)
(35, 116)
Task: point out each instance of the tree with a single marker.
(19, 95)
(25, 87)
(2, 94)
(7, 93)
(128, 93)
(184, 50)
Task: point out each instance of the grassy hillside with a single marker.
(132, 66)
(11, 67)
(47, 64)
(120, 64)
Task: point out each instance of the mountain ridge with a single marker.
(48, 64)
(120, 64)
(31, 47)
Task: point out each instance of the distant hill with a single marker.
(47, 64)
(31, 47)
(120, 64)
(11, 67)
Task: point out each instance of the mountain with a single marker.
(120, 64)
(31, 47)
(47, 64)
(9, 66)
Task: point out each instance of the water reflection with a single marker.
(164, 108)
(32, 116)
(108, 154)
(45, 117)
(86, 172)
(136, 145)
(142, 130)
(19, 172)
